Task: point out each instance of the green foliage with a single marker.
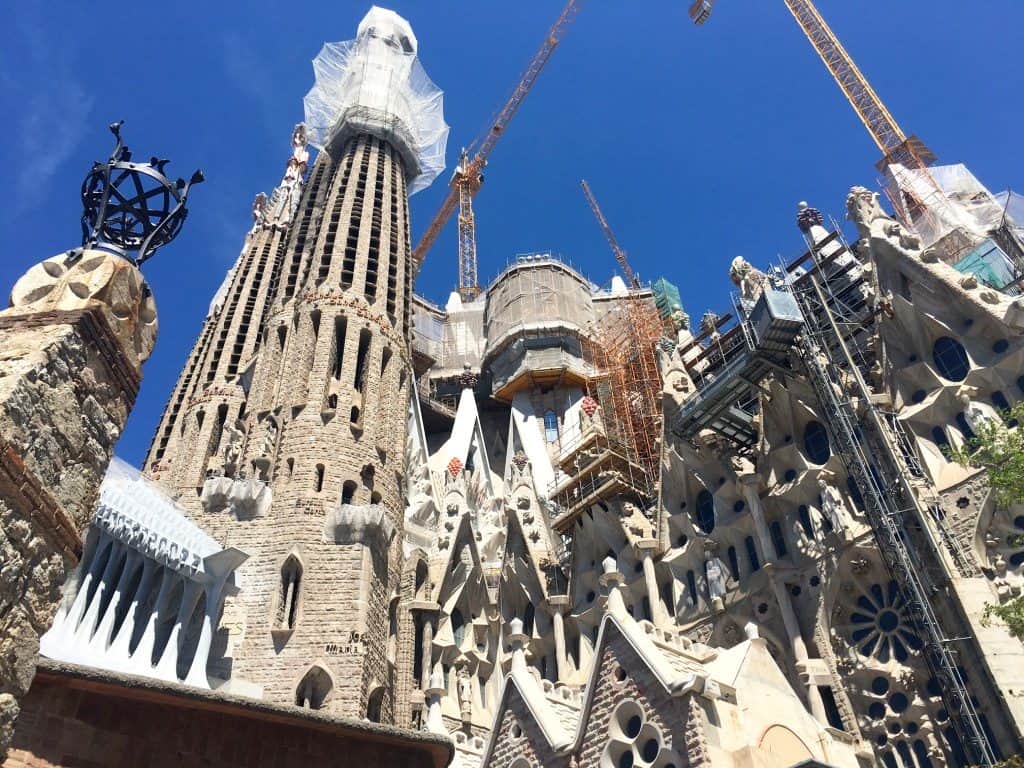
(1000, 452)
(1017, 761)
(1011, 614)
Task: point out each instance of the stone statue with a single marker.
(716, 574)
(259, 211)
(465, 694)
(750, 280)
(980, 417)
(233, 437)
(832, 506)
(269, 438)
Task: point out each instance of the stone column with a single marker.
(750, 484)
(645, 551)
(559, 604)
(73, 342)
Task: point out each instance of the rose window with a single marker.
(880, 626)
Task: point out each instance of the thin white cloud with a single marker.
(55, 108)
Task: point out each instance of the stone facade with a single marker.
(78, 330)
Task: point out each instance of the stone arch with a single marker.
(315, 687)
(288, 606)
(783, 743)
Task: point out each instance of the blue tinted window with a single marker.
(951, 358)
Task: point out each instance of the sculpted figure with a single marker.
(233, 436)
(750, 280)
(715, 572)
(832, 505)
(465, 694)
(980, 416)
(269, 438)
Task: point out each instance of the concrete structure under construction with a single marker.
(553, 524)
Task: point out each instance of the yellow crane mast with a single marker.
(468, 175)
(620, 254)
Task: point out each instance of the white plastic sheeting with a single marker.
(375, 84)
(961, 202)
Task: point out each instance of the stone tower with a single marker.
(285, 435)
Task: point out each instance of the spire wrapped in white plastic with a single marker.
(375, 84)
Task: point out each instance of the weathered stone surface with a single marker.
(71, 348)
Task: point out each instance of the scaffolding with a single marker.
(814, 319)
(621, 457)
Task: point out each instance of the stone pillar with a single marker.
(645, 550)
(73, 342)
(750, 484)
(559, 604)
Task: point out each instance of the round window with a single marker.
(705, 511)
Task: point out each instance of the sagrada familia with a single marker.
(549, 525)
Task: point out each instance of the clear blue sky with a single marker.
(698, 141)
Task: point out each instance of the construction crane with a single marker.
(895, 145)
(468, 176)
(620, 254)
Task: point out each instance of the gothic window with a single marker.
(374, 705)
(359, 382)
(939, 437)
(816, 444)
(734, 563)
(778, 539)
(806, 523)
(1002, 404)
(348, 491)
(705, 511)
(458, 627)
(950, 358)
(551, 426)
(314, 689)
(755, 563)
(318, 479)
(529, 615)
(291, 586)
(338, 353)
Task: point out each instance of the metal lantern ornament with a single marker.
(132, 207)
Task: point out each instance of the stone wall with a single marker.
(65, 392)
(78, 717)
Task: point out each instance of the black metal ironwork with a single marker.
(132, 207)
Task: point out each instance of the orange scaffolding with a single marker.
(623, 458)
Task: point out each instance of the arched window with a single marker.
(965, 428)
(691, 587)
(734, 563)
(1002, 404)
(318, 479)
(778, 539)
(291, 592)
(348, 491)
(374, 704)
(528, 616)
(940, 438)
(551, 426)
(755, 563)
(816, 444)
(313, 689)
(458, 627)
(806, 523)
(705, 511)
(950, 358)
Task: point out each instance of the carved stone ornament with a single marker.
(454, 467)
(79, 279)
